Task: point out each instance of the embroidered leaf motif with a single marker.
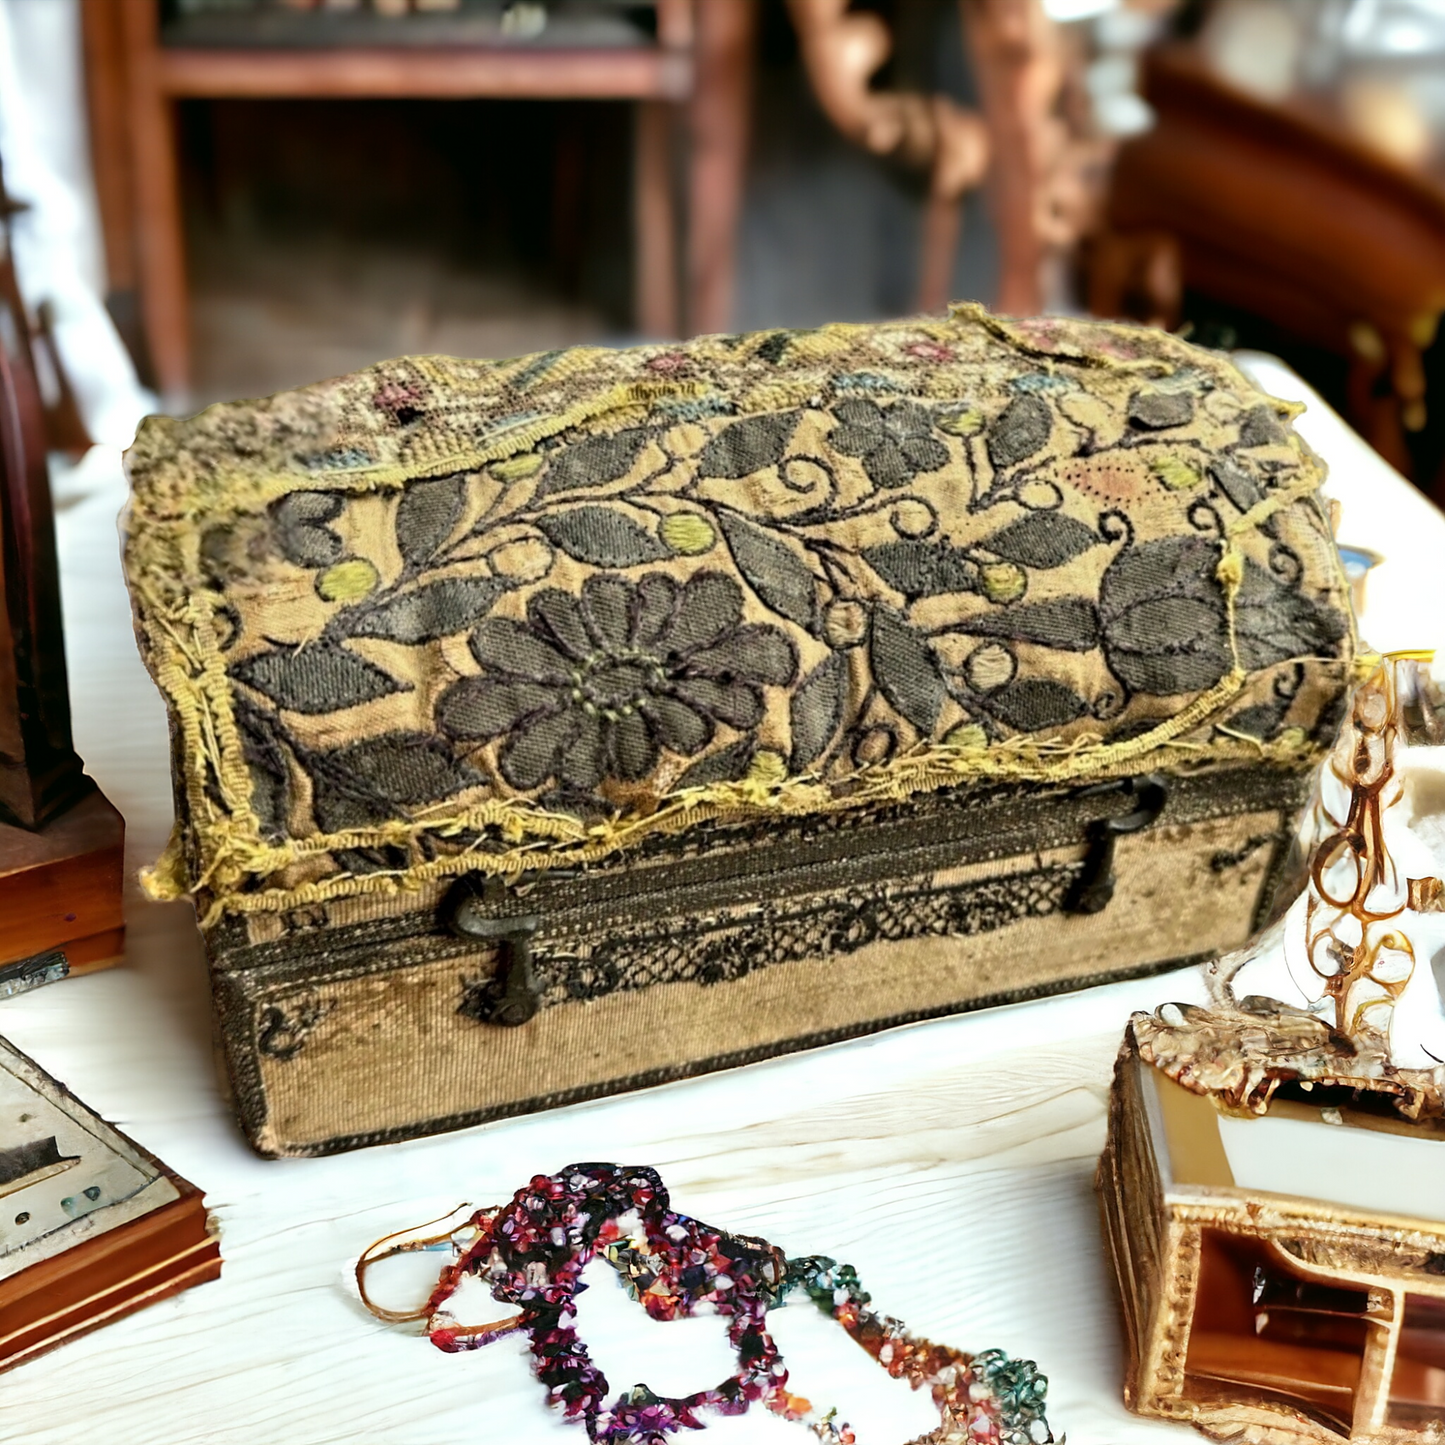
(772, 569)
(316, 679)
(1031, 704)
(1261, 428)
(1262, 720)
(601, 537)
(270, 800)
(301, 532)
(433, 610)
(774, 346)
(1274, 623)
(1163, 617)
(922, 569)
(594, 462)
(817, 710)
(426, 515)
(484, 707)
(905, 669)
(1174, 473)
(1155, 410)
(747, 446)
(270, 777)
(1168, 645)
(1236, 484)
(1020, 431)
(307, 507)
(1068, 623)
(726, 765)
(367, 782)
(1042, 539)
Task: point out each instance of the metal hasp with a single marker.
(1095, 887)
(470, 912)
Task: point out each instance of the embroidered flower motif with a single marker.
(895, 443)
(669, 363)
(929, 351)
(403, 401)
(595, 686)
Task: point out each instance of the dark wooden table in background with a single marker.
(690, 83)
(1276, 209)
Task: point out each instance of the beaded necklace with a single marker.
(531, 1253)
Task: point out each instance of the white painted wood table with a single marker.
(951, 1162)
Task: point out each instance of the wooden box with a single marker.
(60, 895)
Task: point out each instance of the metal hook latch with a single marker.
(1095, 886)
(514, 994)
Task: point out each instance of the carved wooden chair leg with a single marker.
(161, 243)
(1019, 81)
(1135, 276)
(654, 221)
(842, 50)
(942, 226)
(722, 93)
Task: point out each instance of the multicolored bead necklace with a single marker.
(531, 1253)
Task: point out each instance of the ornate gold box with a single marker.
(1282, 1276)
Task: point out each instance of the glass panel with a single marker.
(1417, 1387)
(1264, 1331)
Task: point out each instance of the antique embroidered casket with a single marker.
(550, 727)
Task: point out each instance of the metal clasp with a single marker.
(1095, 886)
(514, 995)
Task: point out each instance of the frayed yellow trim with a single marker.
(166, 880)
(218, 499)
(549, 840)
(563, 842)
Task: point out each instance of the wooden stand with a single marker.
(60, 896)
(61, 842)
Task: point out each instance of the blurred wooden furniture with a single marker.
(697, 70)
(1049, 164)
(1276, 210)
(1030, 138)
(61, 842)
(841, 50)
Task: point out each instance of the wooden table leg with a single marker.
(109, 135)
(160, 242)
(719, 123)
(1008, 44)
(655, 221)
(942, 225)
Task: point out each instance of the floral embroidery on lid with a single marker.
(595, 686)
(894, 443)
